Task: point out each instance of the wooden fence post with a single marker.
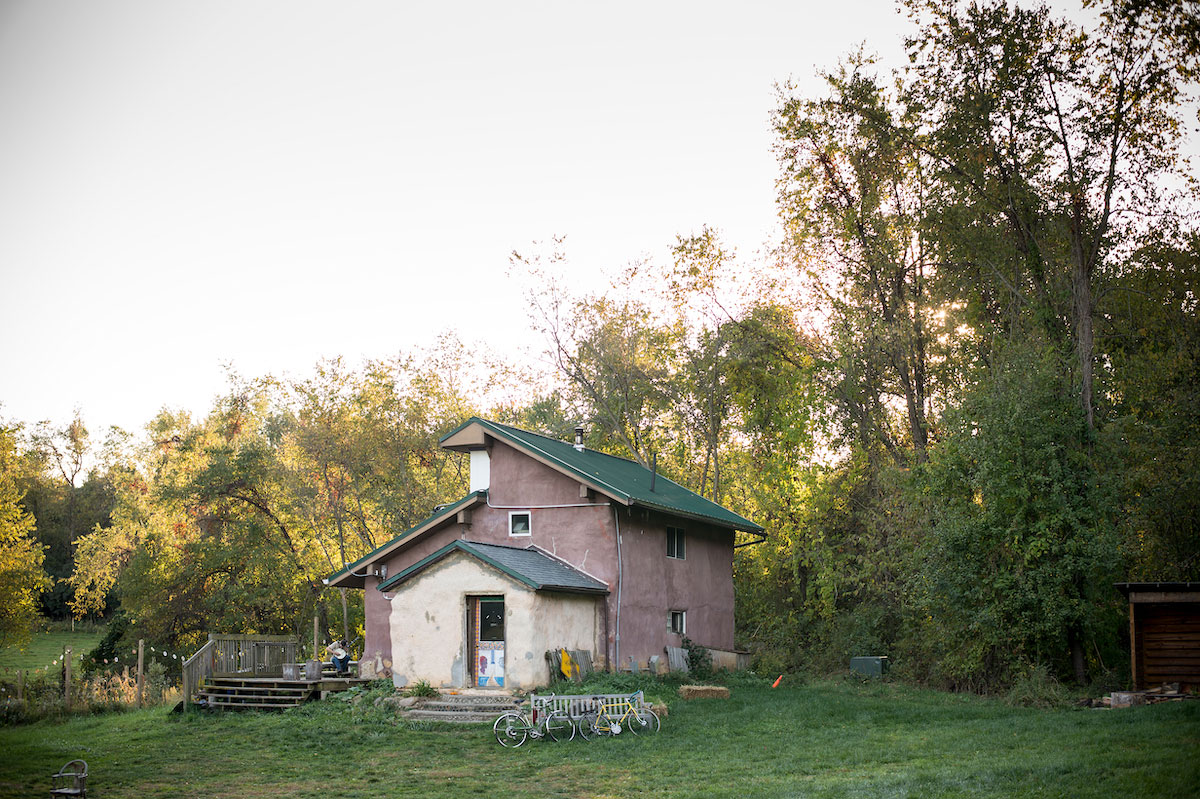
(141, 672)
(21, 686)
(67, 677)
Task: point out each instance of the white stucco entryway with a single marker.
(430, 632)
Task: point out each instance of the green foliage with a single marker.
(22, 578)
(1151, 445)
(422, 688)
(110, 645)
(1022, 545)
(229, 523)
(700, 665)
(1035, 686)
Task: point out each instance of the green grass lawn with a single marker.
(823, 740)
(45, 647)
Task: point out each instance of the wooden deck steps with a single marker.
(463, 708)
(256, 692)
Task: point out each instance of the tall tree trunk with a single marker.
(1084, 344)
(1075, 643)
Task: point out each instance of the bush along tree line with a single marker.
(960, 393)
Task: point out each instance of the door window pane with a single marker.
(491, 620)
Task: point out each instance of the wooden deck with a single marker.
(257, 671)
(232, 691)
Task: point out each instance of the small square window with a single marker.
(519, 523)
(677, 621)
(675, 543)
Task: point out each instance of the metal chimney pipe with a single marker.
(579, 437)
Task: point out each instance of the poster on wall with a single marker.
(491, 663)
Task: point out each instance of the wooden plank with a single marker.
(249, 704)
(1159, 597)
(1134, 648)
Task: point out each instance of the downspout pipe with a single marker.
(617, 522)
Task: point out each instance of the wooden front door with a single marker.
(485, 637)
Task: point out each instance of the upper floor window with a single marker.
(519, 523)
(675, 542)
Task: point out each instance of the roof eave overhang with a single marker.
(463, 546)
(748, 527)
(570, 589)
(468, 436)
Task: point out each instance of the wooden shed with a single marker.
(1164, 634)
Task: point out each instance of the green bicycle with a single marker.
(513, 728)
(614, 717)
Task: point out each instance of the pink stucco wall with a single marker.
(653, 584)
(701, 584)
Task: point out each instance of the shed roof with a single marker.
(532, 566)
(1125, 588)
(619, 478)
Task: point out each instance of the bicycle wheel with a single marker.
(588, 727)
(646, 721)
(511, 729)
(559, 727)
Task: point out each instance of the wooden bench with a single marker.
(71, 780)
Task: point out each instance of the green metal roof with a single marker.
(620, 478)
(437, 516)
(531, 566)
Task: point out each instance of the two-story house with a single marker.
(556, 545)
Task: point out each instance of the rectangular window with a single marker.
(675, 542)
(677, 621)
(519, 523)
(491, 619)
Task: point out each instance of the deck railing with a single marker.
(196, 669)
(252, 655)
(237, 655)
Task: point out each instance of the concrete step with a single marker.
(452, 717)
(457, 707)
(477, 699)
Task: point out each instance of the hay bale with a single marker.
(703, 692)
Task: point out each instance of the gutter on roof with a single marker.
(755, 529)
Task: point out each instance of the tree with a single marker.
(852, 194)
(1149, 330)
(1022, 550)
(1054, 135)
(616, 362)
(22, 578)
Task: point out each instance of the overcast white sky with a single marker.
(187, 184)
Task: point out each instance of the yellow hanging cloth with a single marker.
(566, 664)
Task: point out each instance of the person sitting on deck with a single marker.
(339, 657)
